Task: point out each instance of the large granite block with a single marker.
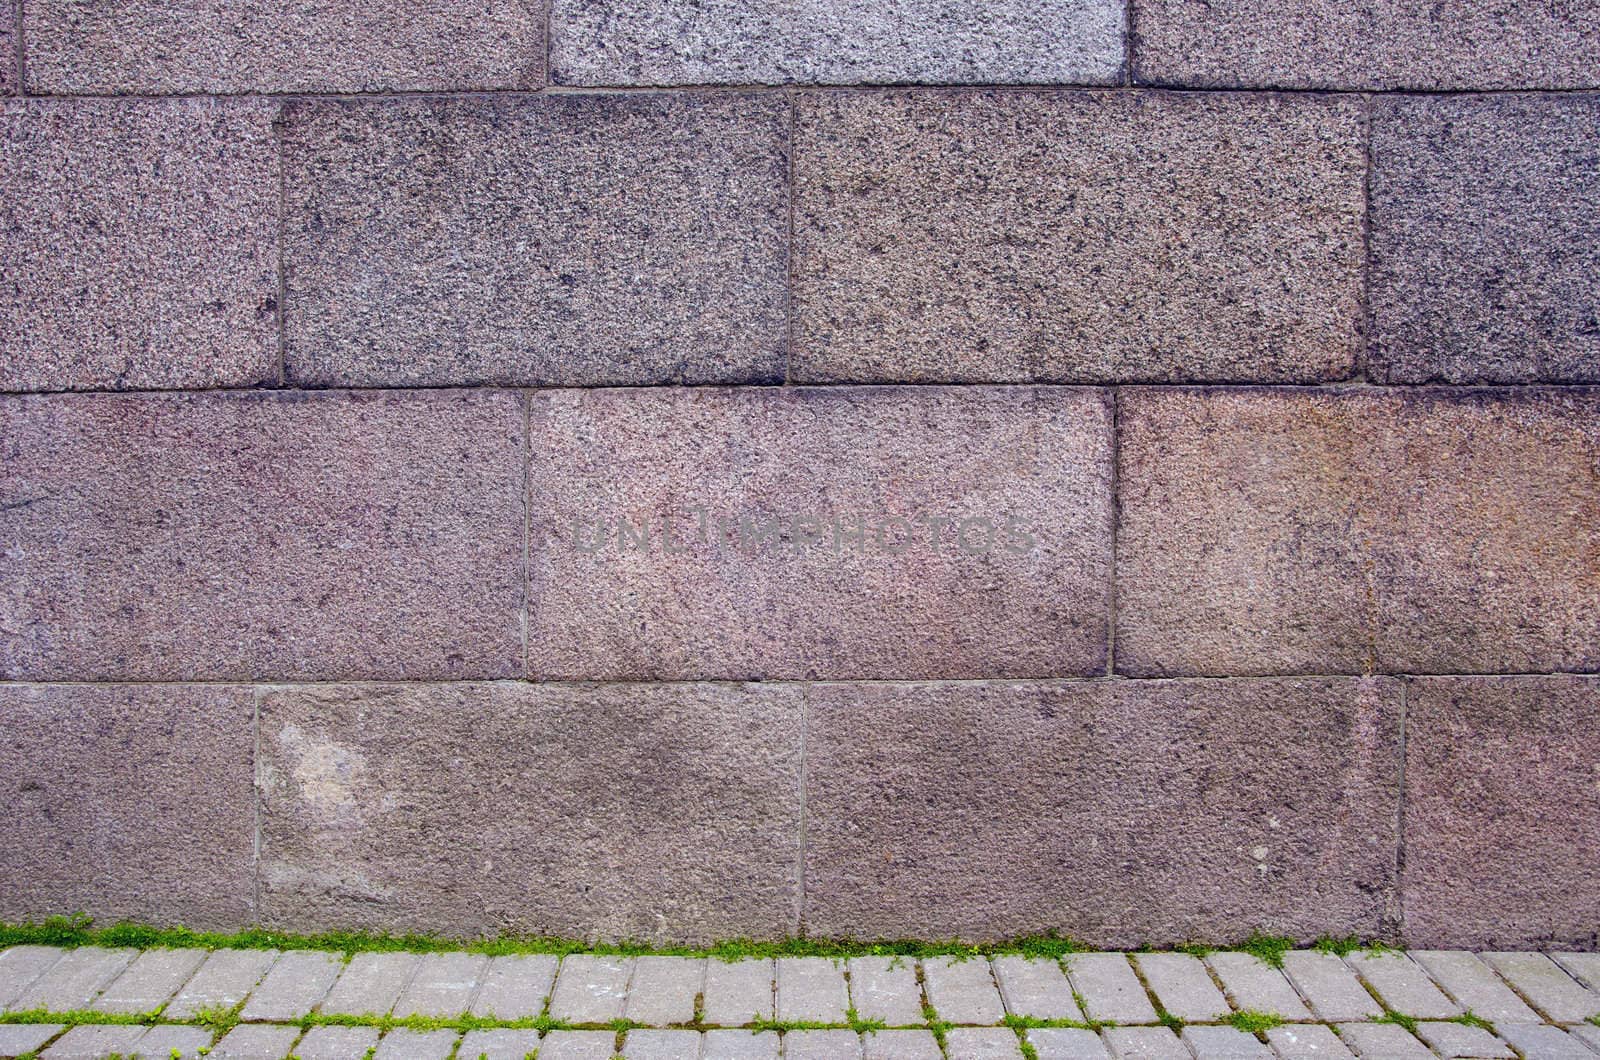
(1486, 239)
(1117, 812)
(1318, 531)
(1502, 812)
(558, 240)
(158, 47)
(232, 536)
(1422, 44)
(10, 53)
(663, 42)
(127, 801)
(664, 812)
(1077, 237)
(138, 244)
(819, 532)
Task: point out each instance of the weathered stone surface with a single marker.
(10, 57)
(885, 988)
(612, 42)
(900, 1045)
(561, 240)
(1472, 983)
(1067, 1043)
(75, 980)
(650, 1044)
(738, 992)
(149, 981)
(20, 966)
(224, 980)
(1109, 988)
(406, 1044)
(1182, 986)
(984, 1043)
(90, 1042)
(1307, 1041)
(1077, 237)
(740, 1045)
(1455, 44)
(138, 244)
(591, 989)
(158, 47)
(1035, 988)
(821, 1045)
(1500, 776)
(1486, 239)
(578, 1045)
(298, 980)
(515, 986)
(1256, 986)
(1382, 1041)
(172, 537)
(1330, 987)
(341, 1043)
(126, 801)
(1545, 1042)
(986, 548)
(255, 1042)
(21, 1039)
(1546, 985)
(1121, 813)
(1223, 1043)
(1403, 986)
(1453, 1039)
(668, 812)
(370, 984)
(664, 989)
(443, 986)
(1428, 531)
(1145, 1043)
(962, 991)
(498, 1045)
(810, 989)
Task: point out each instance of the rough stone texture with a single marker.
(885, 988)
(617, 42)
(293, 987)
(1256, 986)
(663, 990)
(173, 537)
(516, 986)
(810, 989)
(126, 802)
(1486, 239)
(986, 550)
(962, 991)
(1035, 988)
(1500, 776)
(1402, 985)
(562, 240)
(443, 986)
(1427, 531)
(1077, 237)
(138, 244)
(1545, 985)
(1454, 44)
(1121, 813)
(737, 992)
(224, 980)
(1109, 988)
(157, 47)
(1182, 986)
(1330, 987)
(150, 980)
(1472, 983)
(665, 812)
(9, 54)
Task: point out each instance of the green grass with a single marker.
(1399, 1019)
(1268, 948)
(1253, 1022)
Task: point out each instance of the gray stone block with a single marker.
(1584, 967)
(983, 1043)
(1546, 985)
(406, 1044)
(255, 1042)
(1545, 1042)
(443, 985)
(1456, 1040)
(498, 1045)
(1500, 777)
(1307, 1041)
(578, 1045)
(297, 982)
(1224, 1043)
(174, 1042)
(139, 245)
(152, 978)
(940, 810)
(738, 992)
(821, 1045)
(1182, 986)
(223, 981)
(343, 1043)
(900, 1045)
(1077, 237)
(1109, 989)
(516, 986)
(1382, 1041)
(1485, 265)
(159, 47)
(1402, 985)
(740, 1045)
(1256, 986)
(20, 966)
(664, 989)
(1035, 988)
(152, 783)
(1329, 987)
(885, 988)
(811, 990)
(609, 42)
(836, 532)
(591, 989)
(1067, 1043)
(1145, 1043)
(1474, 984)
(370, 984)
(22, 1039)
(962, 991)
(94, 1042)
(566, 240)
(650, 1044)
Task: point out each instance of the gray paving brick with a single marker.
(1458, 1040)
(962, 991)
(159, 1042)
(900, 1045)
(885, 988)
(1145, 1043)
(1307, 1041)
(663, 990)
(442, 985)
(590, 989)
(255, 1041)
(298, 980)
(1540, 1041)
(983, 1043)
(1182, 986)
(737, 992)
(578, 1045)
(152, 978)
(75, 980)
(741, 1045)
(19, 1038)
(1255, 986)
(1067, 1043)
(1223, 1043)
(1109, 989)
(338, 1043)
(1546, 985)
(370, 984)
(498, 1045)
(1588, 1033)
(515, 987)
(1403, 985)
(820, 1045)
(1382, 1041)
(1584, 967)
(811, 989)
(90, 1042)
(406, 1044)
(1329, 986)
(1035, 988)
(223, 981)
(1475, 985)
(652, 1044)
(20, 966)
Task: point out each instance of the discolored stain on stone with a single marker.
(1117, 813)
(567, 240)
(662, 812)
(127, 802)
(1077, 237)
(1502, 812)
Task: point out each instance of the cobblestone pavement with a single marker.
(163, 1003)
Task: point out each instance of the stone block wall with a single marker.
(857, 468)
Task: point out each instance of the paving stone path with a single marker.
(249, 1004)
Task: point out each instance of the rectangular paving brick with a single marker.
(370, 984)
(406, 1044)
(20, 966)
(900, 1045)
(1035, 988)
(984, 1043)
(650, 1044)
(223, 981)
(1145, 1043)
(1403, 985)
(443, 985)
(155, 47)
(683, 798)
(1502, 856)
(152, 978)
(91, 1042)
(1456, 1040)
(1545, 1042)
(1307, 1041)
(886, 988)
(1382, 1041)
(1182, 986)
(1223, 1043)
(140, 244)
(172, 1042)
(498, 1045)
(339, 1043)
(1546, 985)
(810, 989)
(962, 991)
(1485, 265)
(1056, 237)
(578, 1045)
(1475, 985)
(1418, 531)
(737, 992)
(1067, 1043)
(23, 1039)
(154, 783)
(740, 1045)
(75, 980)
(829, 42)
(1329, 987)
(664, 989)
(566, 240)
(1584, 967)
(1255, 986)
(516, 986)
(234, 535)
(821, 1045)
(1111, 992)
(1300, 836)
(1456, 44)
(255, 1042)
(297, 982)
(591, 989)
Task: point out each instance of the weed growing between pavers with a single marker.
(1253, 1022)
(1399, 1019)
(1267, 948)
